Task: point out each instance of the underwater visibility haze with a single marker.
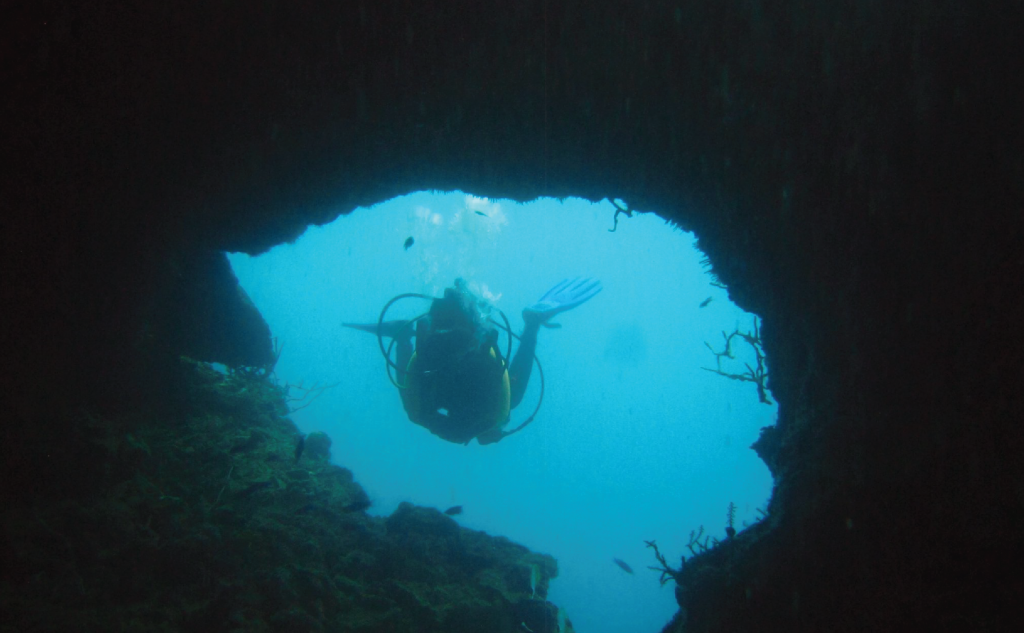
(635, 439)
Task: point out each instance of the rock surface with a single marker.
(852, 169)
(204, 520)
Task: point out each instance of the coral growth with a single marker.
(211, 518)
(758, 375)
(667, 572)
(713, 569)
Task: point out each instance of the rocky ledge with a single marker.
(216, 514)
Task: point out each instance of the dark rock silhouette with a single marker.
(205, 522)
(852, 171)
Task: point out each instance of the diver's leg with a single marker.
(387, 329)
(404, 344)
(522, 363)
(401, 331)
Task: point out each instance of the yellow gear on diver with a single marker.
(470, 393)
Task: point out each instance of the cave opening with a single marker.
(640, 435)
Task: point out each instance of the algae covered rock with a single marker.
(207, 520)
(466, 580)
(318, 446)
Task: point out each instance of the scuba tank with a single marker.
(457, 361)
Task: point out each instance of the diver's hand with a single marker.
(565, 295)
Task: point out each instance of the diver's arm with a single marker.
(522, 363)
(565, 295)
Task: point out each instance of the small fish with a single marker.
(705, 302)
(452, 511)
(299, 448)
(409, 242)
(481, 213)
(626, 568)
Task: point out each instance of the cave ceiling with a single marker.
(853, 170)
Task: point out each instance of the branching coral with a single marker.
(698, 546)
(306, 394)
(698, 543)
(758, 376)
(619, 208)
(666, 571)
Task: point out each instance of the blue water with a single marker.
(634, 440)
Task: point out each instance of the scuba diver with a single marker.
(456, 383)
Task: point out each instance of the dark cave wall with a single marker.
(852, 168)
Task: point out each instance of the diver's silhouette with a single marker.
(456, 382)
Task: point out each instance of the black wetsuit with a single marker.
(455, 386)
